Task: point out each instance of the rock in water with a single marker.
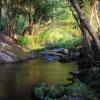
(6, 54)
(5, 58)
(66, 51)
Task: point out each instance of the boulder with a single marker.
(6, 58)
(66, 51)
(6, 54)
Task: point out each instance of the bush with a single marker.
(74, 91)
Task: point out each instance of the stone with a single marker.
(66, 51)
(5, 58)
(3, 45)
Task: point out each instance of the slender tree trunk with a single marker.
(12, 27)
(0, 12)
(31, 25)
(93, 34)
(33, 29)
(7, 26)
(94, 13)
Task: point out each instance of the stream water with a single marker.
(17, 80)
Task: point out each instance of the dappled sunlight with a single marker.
(50, 37)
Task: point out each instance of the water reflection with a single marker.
(16, 80)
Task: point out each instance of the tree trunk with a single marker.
(0, 12)
(30, 28)
(93, 34)
(7, 26)
(33, 29)
(12, 28)
(31, 25)
(94, 13)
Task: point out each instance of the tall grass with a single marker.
(62, 34)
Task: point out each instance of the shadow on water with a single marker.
(17, 80)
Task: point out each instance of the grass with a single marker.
(60, 34)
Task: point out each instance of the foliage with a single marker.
(63, 32)
(53, 37)
(91, 78)
(76, 90)
(31, 42)
(38, 10)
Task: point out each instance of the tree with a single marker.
(40, 12)
(86, 29)
(36, 11)
(94, 13)
(0, 12)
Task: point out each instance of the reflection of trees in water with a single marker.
(10, 85)
(10, 82)
(19, 79)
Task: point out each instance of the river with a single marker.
(17, 80)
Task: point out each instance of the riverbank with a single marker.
(18, 79)
(73, 91)
(85, 82)
(84, 86)
(11, 52)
